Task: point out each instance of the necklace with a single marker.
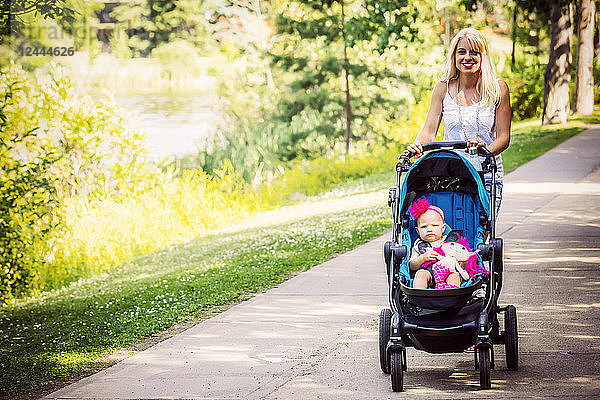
(460, 119)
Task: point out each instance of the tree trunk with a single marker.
(596, 41)
(514, 34)
(346, 72)
(584, 87)
(446, 28)
(557, 76)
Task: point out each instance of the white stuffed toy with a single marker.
(457, 257)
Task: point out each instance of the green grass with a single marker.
(529, 139)
(46, 339)
(50, 337)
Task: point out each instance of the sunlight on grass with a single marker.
(69, 328)
(529, 139)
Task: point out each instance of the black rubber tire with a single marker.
(485, 379)
(385, 320)
(511, 338)
(499, 255)
(397, 371)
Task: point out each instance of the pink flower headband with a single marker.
(420, 207)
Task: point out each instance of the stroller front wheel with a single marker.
(385, 320)
(511, 338)
(485, 379)
(397, 370)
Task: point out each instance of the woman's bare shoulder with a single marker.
(439, 90)
(503, 85)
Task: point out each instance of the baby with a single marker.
(438, 260)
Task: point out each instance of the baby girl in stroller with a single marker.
(440, 261)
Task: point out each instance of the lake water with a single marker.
(175, 125)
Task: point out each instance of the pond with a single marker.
(175, 125)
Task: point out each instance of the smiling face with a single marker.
(430, 226)
(467, 59)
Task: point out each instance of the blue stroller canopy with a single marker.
(447, 164)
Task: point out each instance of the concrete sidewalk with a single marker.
(315, 336)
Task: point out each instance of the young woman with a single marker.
(473, 102)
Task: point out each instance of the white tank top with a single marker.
(486, 116)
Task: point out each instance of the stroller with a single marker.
(454, 319)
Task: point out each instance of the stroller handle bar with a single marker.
(404, 160)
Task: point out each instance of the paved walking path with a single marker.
(315, 336)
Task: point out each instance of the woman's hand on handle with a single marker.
(476, 142)
(415, 148)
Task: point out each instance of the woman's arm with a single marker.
(433, 119)
(503, 121)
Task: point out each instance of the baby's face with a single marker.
(430, 226)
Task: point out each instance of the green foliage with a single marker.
(313, 177)
(312, 103)
(27, 196)
(596, 74)
(300, 115)
(56, 146)
(105, 194)
(384, 22)
(97, 236)
(532, 29)
(526, 83)
(12, 14)
(156, 22)
(66, 331)
(98, 154)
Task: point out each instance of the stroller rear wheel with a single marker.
(385, 320)
(397, 370)
(511, 338)
(485, 379)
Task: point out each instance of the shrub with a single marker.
(27, 193)
(55, 147)
(309, 178)
(526, 84)
(97, 236)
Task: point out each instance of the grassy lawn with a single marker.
(530, 140)
(46, 339)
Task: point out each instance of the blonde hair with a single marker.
(487, 85)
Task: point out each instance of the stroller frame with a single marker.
(399, 329)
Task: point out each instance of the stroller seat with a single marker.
(442, 299)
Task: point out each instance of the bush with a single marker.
(526, 84)
(309, 178)
(97, 236)
(27, 193)
(78, 197)
(55, 146)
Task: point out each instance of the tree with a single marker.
(155, 22)
(320, 43)
(557, 76)
(13, 11)
(584, 86)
